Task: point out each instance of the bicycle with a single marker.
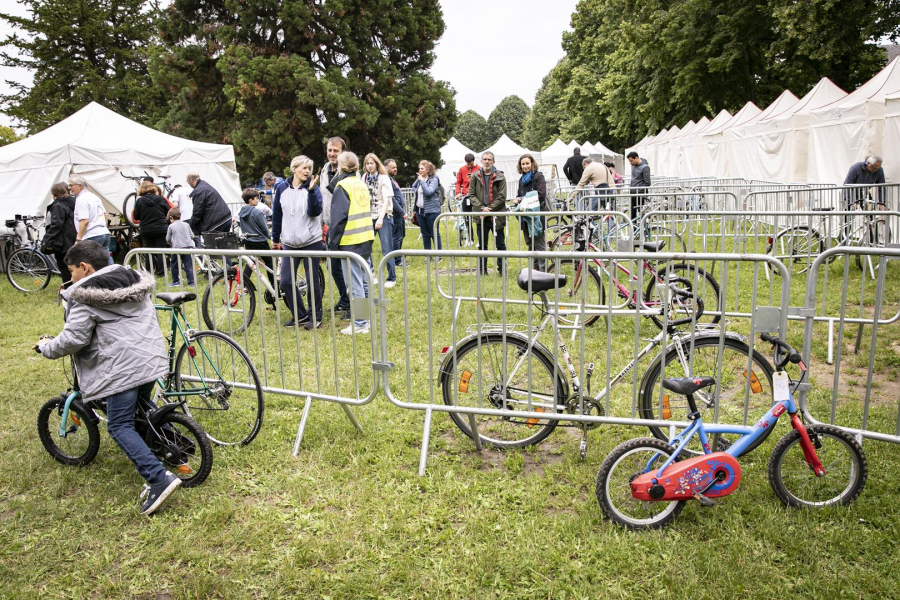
(68, 427)
(27, 267)
(130, 199)
(579, 238)
(506, 368)
(813, 466)
(462, 224)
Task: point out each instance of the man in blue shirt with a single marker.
(868, 172)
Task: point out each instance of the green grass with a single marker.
(350, 517)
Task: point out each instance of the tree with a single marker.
(8, 136)
(81, 52)
(509, 118)
(543, 124)
(472, 131)
(277, 78)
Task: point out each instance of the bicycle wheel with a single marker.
(183, 448)
(584, 288)
(690, 278)
(796, 247)
(795, 483)
(128, 209)
(564, 240)
(226, 396)
(625, 463)
(28, 270)
(476, 379)
(227, 304)
(82, 439)
(734, 392)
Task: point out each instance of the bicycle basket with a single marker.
(221, 240)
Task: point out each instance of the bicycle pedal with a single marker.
(703, 500)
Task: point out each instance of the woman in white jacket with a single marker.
(382, 192)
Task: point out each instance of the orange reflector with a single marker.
(532, 422)
(464, 382)
(755, 385)
(666, 411)
(75, 419)
(184, 469)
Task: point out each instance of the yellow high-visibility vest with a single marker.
(359, 227)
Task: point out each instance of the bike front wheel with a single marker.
(81, 442)
(795, 483)
(506, 375)
(221, 388)
(228, 305)
(625, 463)
(183, 448)
(796, 247)
(28, 270)
(700, 285)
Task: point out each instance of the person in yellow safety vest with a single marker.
(351, 229)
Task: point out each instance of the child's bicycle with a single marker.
(644, 483)
(68, 428)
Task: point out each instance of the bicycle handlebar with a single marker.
(790, 354)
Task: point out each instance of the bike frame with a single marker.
(185, 333)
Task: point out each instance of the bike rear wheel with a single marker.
(228, 305)
(702, 285)
(82, 440)
(226, 396)
(796, 247)
(128, 209)
(183, 448)
(28, 270)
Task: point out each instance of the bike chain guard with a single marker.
(682, 480)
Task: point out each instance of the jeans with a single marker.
(426, 226)
(637, 202)
(120, 411)
(537, 243)
(355, 279)
(386, 235)
(487, 225)
(315, 283)
(337, 273)
(399, 232)
(602, 190)
(103, 240)
(187, 263)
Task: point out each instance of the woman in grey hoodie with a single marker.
(297, 225)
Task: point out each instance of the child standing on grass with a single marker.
(112, 332)
(179, 235)
(256, 231)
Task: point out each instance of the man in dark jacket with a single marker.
(60, 232)
(640, 179)
(487, 193)
(574, 167)
(868, 172)
(399, 230)
(210, 211)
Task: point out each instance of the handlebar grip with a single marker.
(768, 338)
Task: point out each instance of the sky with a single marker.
(490, 49)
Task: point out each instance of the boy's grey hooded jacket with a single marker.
(112, 330)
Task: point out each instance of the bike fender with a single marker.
(155, 416)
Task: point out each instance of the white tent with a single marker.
(890, 147)
(844, 132)
(678, 159)
(649, 151)
(741, 144)
(713, 151)
(556, 154)
(507, 154)
(664, 162)
(453, 155)
(692, 145)
(604, 150)
(98, 144)
(782, 140)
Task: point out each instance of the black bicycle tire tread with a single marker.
(205, 304)
(43, 258)
(206, 452)
(704, 274)
(53, 449)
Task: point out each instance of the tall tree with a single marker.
(278, 77)
(508, 117)
(8, 136)
(472, 131)
(544, 122)
(81, 51)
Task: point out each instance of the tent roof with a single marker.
(587, 149)
(454, 151)
(601, 149)
(506, 147)
(573, 144)
(723, 117)
(782, 103)
(668, 135)
(823, 93)
(885, 82)
(557, 148)
(686, 130)
(741, 117)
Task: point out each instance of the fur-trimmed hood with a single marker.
(110, 286)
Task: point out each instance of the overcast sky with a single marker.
(490, 49)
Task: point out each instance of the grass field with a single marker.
(350, 517)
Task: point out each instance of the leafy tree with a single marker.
(472, 131)
(8, 136)
(81, 52)
(543, 124)
(508, 117)
(277, 78)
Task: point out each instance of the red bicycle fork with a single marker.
(809, 452)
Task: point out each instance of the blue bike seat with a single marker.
(176, 298)
(686, 386)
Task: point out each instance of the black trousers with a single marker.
(155, 240)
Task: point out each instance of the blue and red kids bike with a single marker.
(644, 483)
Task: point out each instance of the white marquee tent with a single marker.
(506, 156)
(891, 144)
(453, 155)
(98, 144)
(743, 154)
(556, 154)
(714, 155)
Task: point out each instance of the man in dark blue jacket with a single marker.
(210, 211)
(868, 172)
(399, 230)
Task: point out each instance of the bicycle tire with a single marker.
(614, 493)
(128, 209)
(502, 432)
(780, 470)
(795, 246)
(82, 440)
(28, 270)
(731, 386)
(572, 292)
(695, 276)
(175, 443)
(215, 409)
(227, 305)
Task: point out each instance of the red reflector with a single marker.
(444, 351)
(770, 240)
(192, 351)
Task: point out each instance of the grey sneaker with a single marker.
(155, 496)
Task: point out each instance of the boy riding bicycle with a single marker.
(112, 332)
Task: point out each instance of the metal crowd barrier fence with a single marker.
(247, 305)
(500, 366)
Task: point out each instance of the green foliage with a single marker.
(634, 68)
(8, 135)
(276, 79)
(81, 52)
(508, 117)
(472, 131)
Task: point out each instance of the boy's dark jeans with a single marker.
(187, 264)
(120, 411)
(267, 260)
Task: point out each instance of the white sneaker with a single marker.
(374, 282)
(351, 329)
(389, 284)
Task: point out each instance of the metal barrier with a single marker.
(319, 363)
(428, 380)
